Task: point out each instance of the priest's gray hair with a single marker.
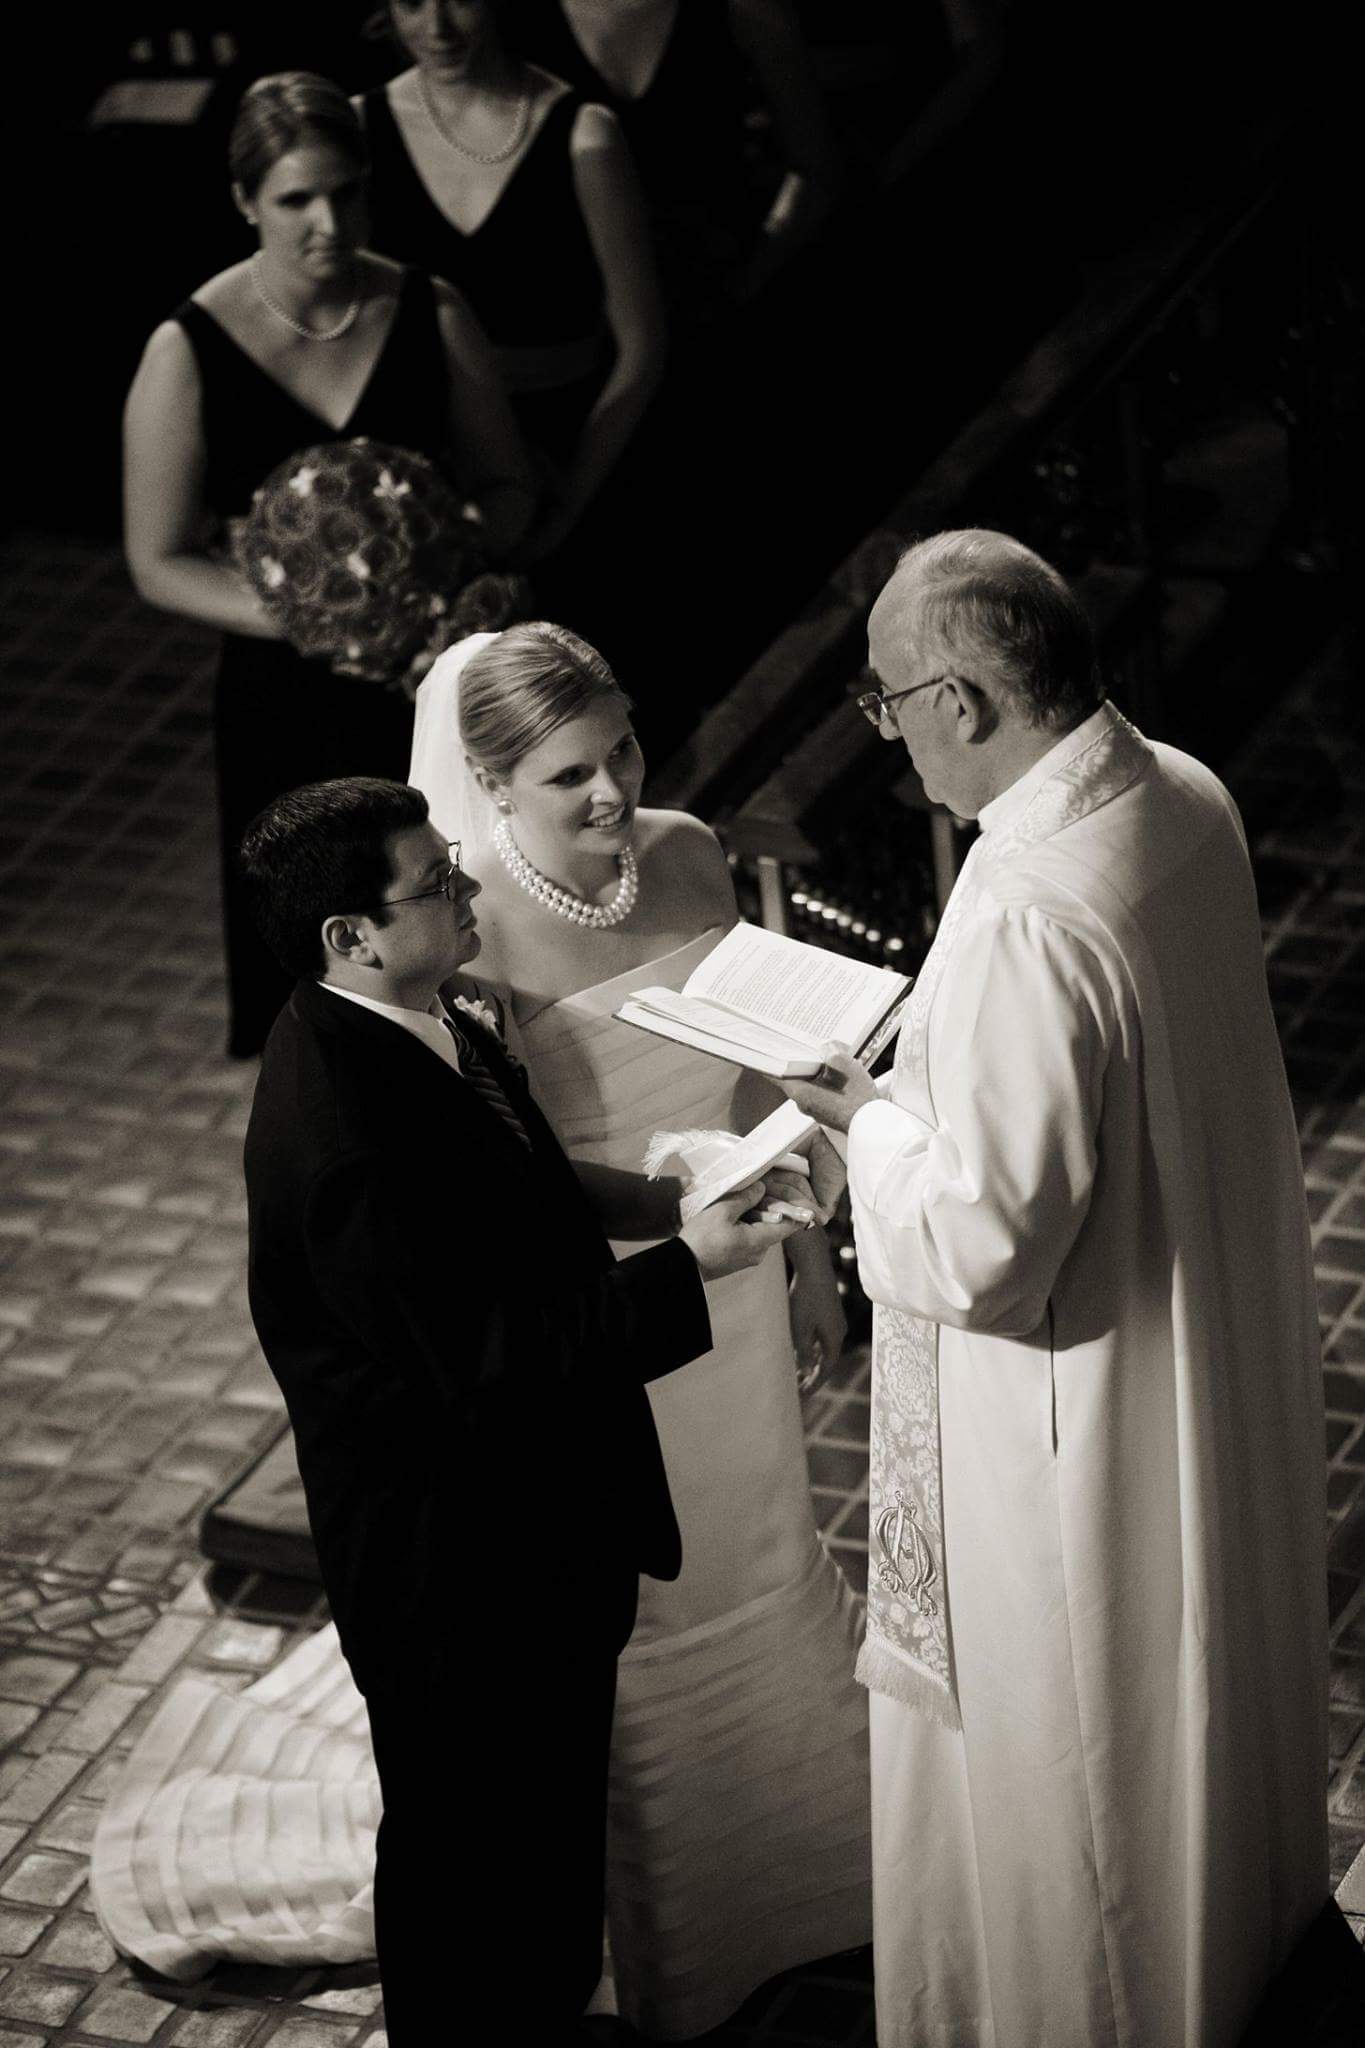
(985, 607)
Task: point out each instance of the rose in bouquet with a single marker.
(365, 557)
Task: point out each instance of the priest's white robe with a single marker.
(1099, 1816)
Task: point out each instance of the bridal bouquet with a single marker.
(365, 556)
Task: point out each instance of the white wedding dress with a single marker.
(738, 1827)
(738, 1838)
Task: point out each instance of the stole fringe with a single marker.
(882, 1671)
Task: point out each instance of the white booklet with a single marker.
(769, 1002)
(749, 1158)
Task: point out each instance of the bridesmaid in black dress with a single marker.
(527, 267)
(680, 76)
(311, 340)
(492, 173)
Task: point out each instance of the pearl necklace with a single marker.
(343, 326)
(598, 917)
(479, 156)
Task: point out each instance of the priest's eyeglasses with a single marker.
(445, 887)
(875, 705)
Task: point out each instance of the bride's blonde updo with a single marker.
(525, 684)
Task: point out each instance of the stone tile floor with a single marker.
(131, 1389)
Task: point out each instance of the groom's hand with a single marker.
(722, 1242)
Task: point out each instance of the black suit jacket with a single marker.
(463, 1360)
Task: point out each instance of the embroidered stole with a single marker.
(907, 1651)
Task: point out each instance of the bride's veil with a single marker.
(457, 806)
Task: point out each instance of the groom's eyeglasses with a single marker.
(445, 887)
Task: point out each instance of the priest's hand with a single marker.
(836, 1093)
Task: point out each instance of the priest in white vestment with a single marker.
(1097, 1608)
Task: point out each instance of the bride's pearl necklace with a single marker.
(598, 917)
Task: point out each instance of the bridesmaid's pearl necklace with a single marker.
(343, 326)
(598, 917)
(520, 122)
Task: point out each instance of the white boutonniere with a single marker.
(482, 1013)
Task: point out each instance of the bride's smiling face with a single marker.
(577, 791)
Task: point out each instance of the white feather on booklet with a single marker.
(725, 1163)
(772, 1003)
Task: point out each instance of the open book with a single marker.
(772, 1003)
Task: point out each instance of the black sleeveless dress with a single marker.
(281, 720)
(685, 132)
(531, 278)
(528, 270)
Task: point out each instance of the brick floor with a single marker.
(130, 1385)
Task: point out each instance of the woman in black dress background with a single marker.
(680, 77)
(492, 173)
(309, 340)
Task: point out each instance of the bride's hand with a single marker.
(818, 1322)
(792, 1187)
(828, 1174)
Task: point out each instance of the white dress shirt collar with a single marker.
(428, 1025)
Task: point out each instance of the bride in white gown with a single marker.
(738, 1828)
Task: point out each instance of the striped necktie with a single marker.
(485, 1083)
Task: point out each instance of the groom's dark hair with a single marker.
(320, 852)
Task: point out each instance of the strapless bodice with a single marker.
(607, 1087)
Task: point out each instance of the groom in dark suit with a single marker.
(464, 1364)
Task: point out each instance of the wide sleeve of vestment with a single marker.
(964, 1215)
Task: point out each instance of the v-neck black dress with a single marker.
(281, 720)
(685, 132)
(528, 270)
